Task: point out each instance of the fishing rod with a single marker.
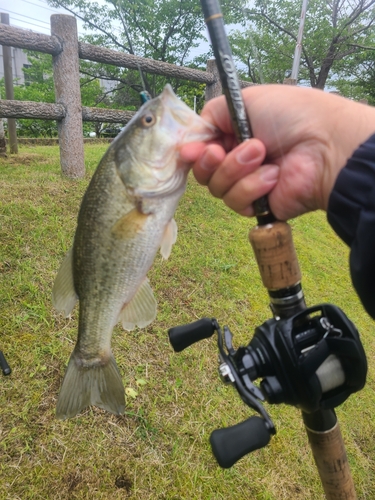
(308, 357)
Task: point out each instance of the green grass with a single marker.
(159, 449)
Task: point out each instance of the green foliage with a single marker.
(193, 93)
(335, 35)
(38, 87)
(163, 30)
(356, 77)
(39, 72)
(356, 89)
(91, 93)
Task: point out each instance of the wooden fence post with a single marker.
(214, 89)
(3, 146)
(67, 90)
(9, 94)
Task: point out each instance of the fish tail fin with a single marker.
(99, 385)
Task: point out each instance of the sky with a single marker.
(30, 14)
(35, 15)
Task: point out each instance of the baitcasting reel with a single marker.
(313, 360)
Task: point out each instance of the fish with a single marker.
(126, 216)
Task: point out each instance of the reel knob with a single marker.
(232, 443)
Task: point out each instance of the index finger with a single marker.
(216, 112)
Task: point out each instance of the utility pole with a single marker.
(9, 94)
(292, 80)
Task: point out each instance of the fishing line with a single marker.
(267, 107)
(144, 95)
(133, 52)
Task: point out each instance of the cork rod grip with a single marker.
(275, 254)
(332, 463)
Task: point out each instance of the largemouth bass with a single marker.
(126, 215)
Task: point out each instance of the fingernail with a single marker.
(270, 173)
(208, 161)
(248, 153)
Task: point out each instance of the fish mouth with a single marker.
(193, 127)
(156, 167)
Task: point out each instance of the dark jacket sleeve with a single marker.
(351, 213)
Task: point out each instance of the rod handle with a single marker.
(332, 463)
(275, 255)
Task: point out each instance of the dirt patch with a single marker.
(72, 480)
(122, 481)
(25, 159)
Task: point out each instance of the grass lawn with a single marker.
(159, 449)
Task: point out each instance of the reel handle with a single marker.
(185, 335)
(4, 365)
(232, 443)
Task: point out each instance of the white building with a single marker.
(19, 61)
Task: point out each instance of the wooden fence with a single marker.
(66, 51)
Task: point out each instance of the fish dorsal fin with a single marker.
(141, 310)
(169, 239)
(64, 296)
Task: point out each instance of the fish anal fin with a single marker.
(99, 385)
(141, 310)
(64, 296)
(129, 225)
(169, 239)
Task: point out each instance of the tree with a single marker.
(335, 30)
(38, 87)
(164, 30)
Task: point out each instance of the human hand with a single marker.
(302, 139)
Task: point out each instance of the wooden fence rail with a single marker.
(68, 111)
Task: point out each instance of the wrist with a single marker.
(351, 123)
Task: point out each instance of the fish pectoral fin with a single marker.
(129, 225)
(169, 239)
(99, 385)
(64, 296)
(141, 310)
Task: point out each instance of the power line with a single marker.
(41, 6)
(28, 22)
(32, 18)
(23, 15)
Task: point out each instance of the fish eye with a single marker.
(148, 120)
